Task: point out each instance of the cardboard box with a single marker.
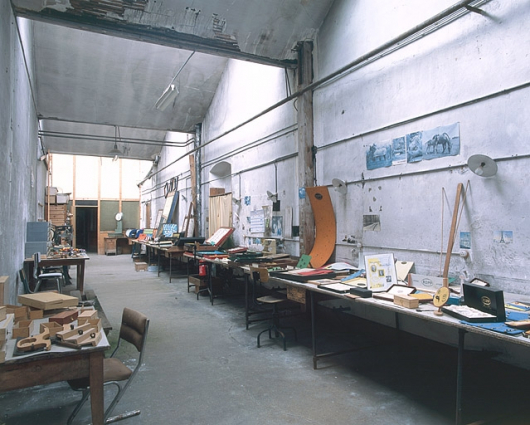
(23, 329)
(62, 198)
(48, 300)
(140, 266)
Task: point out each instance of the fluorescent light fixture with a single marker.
(167, 97)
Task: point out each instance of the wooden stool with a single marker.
(275, 325)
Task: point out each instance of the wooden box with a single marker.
(2, 352)
(64, 317)
(86, 315)
(6, 327)
(198, 281)
(23, 329)
(140, 266)
(19, 311)
(53, 327)
(3, 285)
(3, 312)
(48, 300)
(406, 301)
(35, 313)
(296, 294)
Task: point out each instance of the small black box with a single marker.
(486, 299)
(361, 292)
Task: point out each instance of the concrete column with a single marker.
(306, 166)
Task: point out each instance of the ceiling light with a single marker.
(115, 152)
(167, 97)
(482, 165)
(171, 92)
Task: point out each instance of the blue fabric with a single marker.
(495, 327)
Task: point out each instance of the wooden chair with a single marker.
(40, 276)
(133, 329)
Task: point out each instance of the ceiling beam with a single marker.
(149, 34)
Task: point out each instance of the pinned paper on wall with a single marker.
(288, 222)
(257, 221)
(503, 236)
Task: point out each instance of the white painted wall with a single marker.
(473, 71)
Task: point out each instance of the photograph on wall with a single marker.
(380, 271)
(277, 226)
(465, 240)
(441, 141)
(414, 146)
(371, 223)
(379, 155)
(399, 154)
(503, 236)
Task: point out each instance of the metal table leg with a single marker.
(459, 375)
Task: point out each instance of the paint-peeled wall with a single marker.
(470, 79)
(253, 154)
(22, 175)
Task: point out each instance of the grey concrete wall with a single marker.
(22, 176)
(443, 78)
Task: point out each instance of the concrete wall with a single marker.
(463, 73)
(472, 72)
(22, 175)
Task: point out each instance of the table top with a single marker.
(425, 311)
(55, 351)
(77, 257)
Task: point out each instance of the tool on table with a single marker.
(33, 343)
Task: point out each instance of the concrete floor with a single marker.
(203, 367)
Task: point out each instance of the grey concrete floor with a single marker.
(203, 367)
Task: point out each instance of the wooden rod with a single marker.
(452, 233)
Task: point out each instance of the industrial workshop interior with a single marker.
(264, 212)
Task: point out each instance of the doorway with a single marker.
(86, 228)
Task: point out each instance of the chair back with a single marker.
(36, 262)
(134, 326)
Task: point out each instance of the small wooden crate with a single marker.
(64, 317)
(198, 281)
(20, 312)
(140, 266)
(23, 329)
(296, 294)
(53, 327)
(406, 301)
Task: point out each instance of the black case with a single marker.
(486, 299)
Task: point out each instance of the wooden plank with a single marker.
(452, 232)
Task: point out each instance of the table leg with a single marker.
(96, 388)
(247, 280)
(459, 375)
(81, 276)
(170, 267)
(313, 330)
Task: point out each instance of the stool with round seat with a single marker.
(275, 319)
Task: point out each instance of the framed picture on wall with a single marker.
(380, 272)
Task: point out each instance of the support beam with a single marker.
(305, 165)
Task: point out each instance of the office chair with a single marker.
(274, 302)
(39, 276)
(133, 329)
